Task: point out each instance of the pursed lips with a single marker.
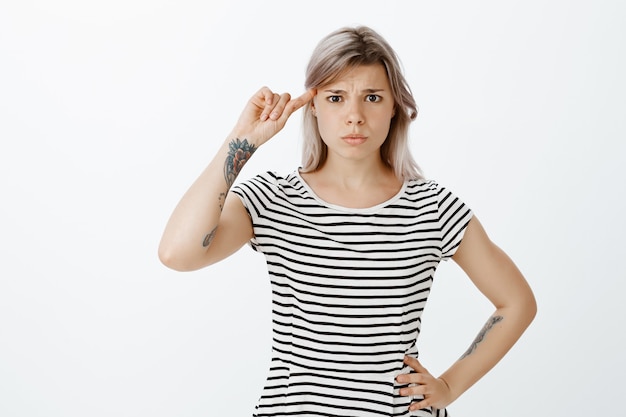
(354, 139)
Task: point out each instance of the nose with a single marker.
(354, 115)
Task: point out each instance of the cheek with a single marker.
(325, 121)
(383, 120)
(322, 126)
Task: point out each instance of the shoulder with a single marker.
(452, 213)
(429, 192)
(429, 188)
(270, 179)
(423, 188)
(422, 184)
(269, 187)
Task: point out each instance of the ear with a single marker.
(313, 110)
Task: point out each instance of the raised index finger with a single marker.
(298, 102)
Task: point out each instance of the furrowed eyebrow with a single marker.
(367, 90)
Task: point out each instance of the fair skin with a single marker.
(354, 114)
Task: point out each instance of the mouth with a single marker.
(354, 139)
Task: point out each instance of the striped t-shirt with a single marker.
(348, 289)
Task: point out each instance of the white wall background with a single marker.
(109, 110)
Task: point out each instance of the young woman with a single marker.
(352, 240)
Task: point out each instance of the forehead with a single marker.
(365, 76)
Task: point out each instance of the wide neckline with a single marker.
(363, 210)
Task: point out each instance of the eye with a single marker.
(373, 98)
(334, 99)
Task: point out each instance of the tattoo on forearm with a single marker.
(481, 336)
(209, 238)
(239, 152)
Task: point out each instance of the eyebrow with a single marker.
(367, 90)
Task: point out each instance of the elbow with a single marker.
(172, 258)
(527, 308)
(532, 308)
(168, 258)
(522, 307)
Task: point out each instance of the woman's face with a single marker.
(354, 113)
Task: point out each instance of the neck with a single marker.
(355, 175)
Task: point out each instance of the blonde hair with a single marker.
(344, 49)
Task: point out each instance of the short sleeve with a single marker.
(454, 216)
(248, 194)
(260, 196)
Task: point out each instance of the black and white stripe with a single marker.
(348, 290)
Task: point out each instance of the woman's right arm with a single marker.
(209, 224)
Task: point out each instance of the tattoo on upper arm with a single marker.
(221, 200)
(239, 152)
(209, 238)
(481, 336)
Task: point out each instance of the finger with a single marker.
(262, 99)
(279, 108)
(270, 103)
(413, 378)
(267, 95)
(420, 404)
(412, 391)
(415, 364)
(264, 96)
(298, 102)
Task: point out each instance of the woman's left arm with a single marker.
(497, 277)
